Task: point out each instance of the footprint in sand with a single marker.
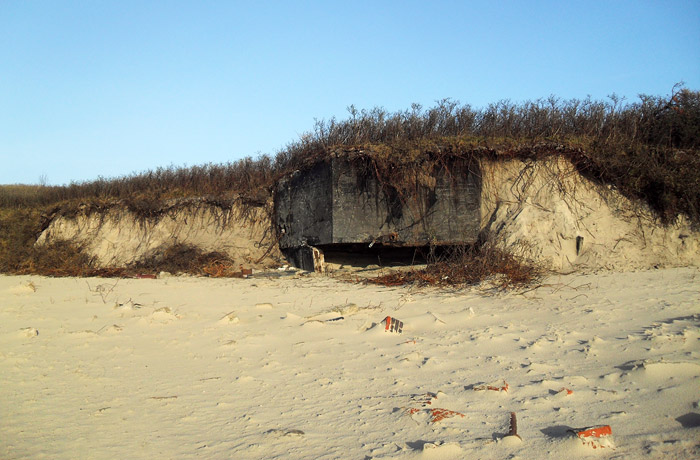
(24, 288)
(113, 329)
(128, 309)
(28, 332)
(284, 433)
(164, 315)
(229, 318)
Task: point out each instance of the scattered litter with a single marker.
(393, 325)
(504, 387)
(428, 398)
(565, 390)
(440, 414)
(433, 415)
(595, 436)
(593, 431)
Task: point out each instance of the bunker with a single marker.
(337, 205)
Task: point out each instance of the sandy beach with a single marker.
(302, 366)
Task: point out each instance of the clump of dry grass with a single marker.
(185, 258)
(468, 265)
(59, 258)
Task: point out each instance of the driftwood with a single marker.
(513, 426)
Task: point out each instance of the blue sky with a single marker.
(109, 88)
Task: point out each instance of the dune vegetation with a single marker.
(648, 150)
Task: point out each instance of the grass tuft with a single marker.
(185, 258)
(466, 266)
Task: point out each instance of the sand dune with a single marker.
(302, 367)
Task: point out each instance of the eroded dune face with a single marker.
(543, 210)
(547, 212)
(117, 237)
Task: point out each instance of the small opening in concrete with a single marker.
(579, 244)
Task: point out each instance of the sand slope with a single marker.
(117, 237)
(264, 368)
(547, 212)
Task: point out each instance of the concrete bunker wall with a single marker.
(337, 202)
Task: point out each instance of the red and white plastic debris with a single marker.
(492, 387)
(431, 414)
(393, 325)
(599, 436)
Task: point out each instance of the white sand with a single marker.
(251, 368)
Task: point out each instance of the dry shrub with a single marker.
(648, 150)
(186, 258)
(221, 268)
(18, 232)
(60, 258)
(468, 265)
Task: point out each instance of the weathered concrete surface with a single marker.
(334, 202)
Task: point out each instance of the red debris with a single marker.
(441, 414)
(594, 431)
(393, 325)
(492, 387)
(595, 436)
